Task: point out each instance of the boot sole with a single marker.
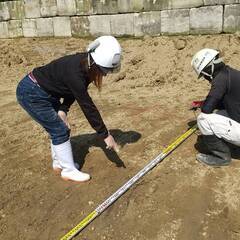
(211, 165)
(70, 180)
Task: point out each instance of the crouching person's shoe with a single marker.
(212, 160)
(219, 152)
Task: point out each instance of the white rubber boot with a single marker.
(56, 164)
(65, 157)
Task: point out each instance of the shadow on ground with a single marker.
(82, 143)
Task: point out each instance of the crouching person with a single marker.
(219, 120)
(67, 78)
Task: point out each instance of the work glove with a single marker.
(196, 104)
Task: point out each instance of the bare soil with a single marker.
(146, 107)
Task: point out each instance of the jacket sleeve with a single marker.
(92, 114)
(79, 90)
(214, 99)
(67, 102)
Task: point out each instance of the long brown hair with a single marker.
(94, 73)
(95, 76)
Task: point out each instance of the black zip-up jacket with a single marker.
(66, 78)
(224, 92)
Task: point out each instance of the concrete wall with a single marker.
(83, 18)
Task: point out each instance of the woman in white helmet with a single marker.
(219, 120)
(67, 78)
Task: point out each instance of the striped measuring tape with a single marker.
(103, 206)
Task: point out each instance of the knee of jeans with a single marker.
(60, 136)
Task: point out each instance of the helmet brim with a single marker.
(104, 70)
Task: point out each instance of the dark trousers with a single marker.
(43, 108)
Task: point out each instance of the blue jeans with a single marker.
(43, 108)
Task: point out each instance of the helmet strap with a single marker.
(212, 71)
(90, 61)
(212, 64)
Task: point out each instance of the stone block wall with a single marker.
(211, 20)
(84, 18)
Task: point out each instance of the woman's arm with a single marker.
(92, 114)
(67, 102)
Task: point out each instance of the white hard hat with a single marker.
(106, 52)
(202, 58)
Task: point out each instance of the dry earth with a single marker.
(146, 107)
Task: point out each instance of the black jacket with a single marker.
(66, 78)
(224, 93)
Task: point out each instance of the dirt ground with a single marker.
(146, 107)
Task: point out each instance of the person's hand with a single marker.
(111, 144)
(63, 116)
(196, 104)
